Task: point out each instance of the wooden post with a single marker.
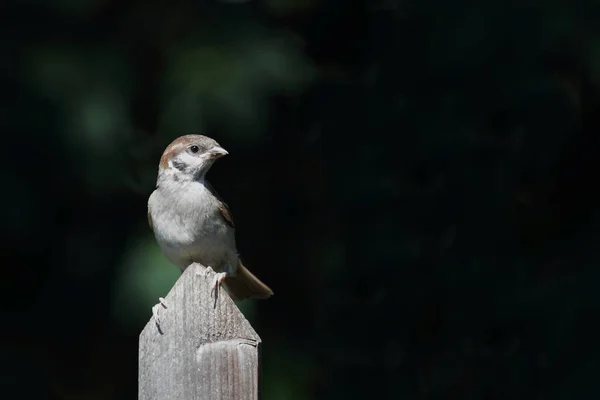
(204, 348)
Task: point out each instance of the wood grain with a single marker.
(204, 349)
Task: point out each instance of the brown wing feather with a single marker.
(223, 208)
(226, 214)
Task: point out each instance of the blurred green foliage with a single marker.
(415, 180)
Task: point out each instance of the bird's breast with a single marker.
(189, 229)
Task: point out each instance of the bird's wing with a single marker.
(223, 208)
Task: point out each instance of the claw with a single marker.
(155, 311)
(219, 278)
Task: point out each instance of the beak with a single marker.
(217, 152)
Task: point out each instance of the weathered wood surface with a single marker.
(204, 349)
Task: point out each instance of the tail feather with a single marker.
(244, 285)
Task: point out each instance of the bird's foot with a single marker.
(155, 311)
(219, 278)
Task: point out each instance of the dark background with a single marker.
(416, 180)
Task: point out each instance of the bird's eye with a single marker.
(194, 149)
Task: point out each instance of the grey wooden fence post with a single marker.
(204, 349)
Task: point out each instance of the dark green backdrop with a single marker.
(416, 180)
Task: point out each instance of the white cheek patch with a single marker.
(186, 163)
(192, 160)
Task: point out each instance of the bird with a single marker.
(192, 224)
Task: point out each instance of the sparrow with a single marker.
(192, 224)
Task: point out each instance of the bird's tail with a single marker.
(244, 285)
